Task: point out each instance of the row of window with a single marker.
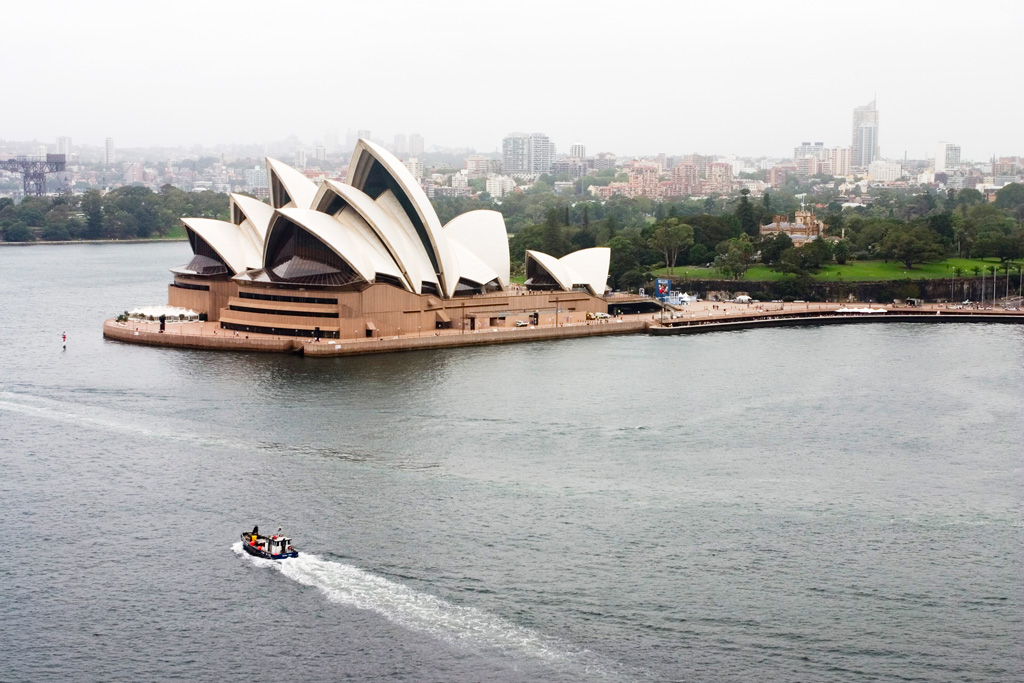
(287, 332)
(304, 314)
(185, 285)
(286, 298)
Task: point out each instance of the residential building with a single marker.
(578, 151)
(806, 166)
(885, 171)
(839, 161)
(719, 178)
(300, 158)
(499, 185)
(604, 161)
(108, 152)
(415, 167)
(479, 166)
(64, 145)
(527, 154)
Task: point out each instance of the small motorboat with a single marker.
(275, 547)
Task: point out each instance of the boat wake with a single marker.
(347, 585)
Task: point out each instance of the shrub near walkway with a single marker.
(854, 271)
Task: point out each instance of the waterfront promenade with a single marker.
(701, 317)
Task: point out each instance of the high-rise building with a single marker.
(578, 151)
(401, 146)
(63, 145)
(108, 152)
(320, 153)
(947, 157)
(527, 153)
(415, 167)
(415, 144)
(363, 134)
(300, 158)
(865, 135)
(838, 162)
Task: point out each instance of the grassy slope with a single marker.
(855, 271)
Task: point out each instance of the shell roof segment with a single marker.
(374, 170)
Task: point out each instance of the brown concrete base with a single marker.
(114, 330)
(330, 347)
(350, 347)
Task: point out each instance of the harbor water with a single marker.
(809, 504)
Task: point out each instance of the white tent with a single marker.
(172, 313)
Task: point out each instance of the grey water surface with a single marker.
(810, 504)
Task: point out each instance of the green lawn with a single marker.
(854, 271)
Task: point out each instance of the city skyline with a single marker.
(740, 102)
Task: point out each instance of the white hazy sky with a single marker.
(630, 77)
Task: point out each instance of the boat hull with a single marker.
(248, 547)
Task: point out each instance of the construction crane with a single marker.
(34, 169)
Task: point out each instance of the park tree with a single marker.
(772, 246)
(745, 214)
(910, 244)
(1011, 198)
(669, 238)
(735, 256)
(92, 207)
(17, 231)
(841, 252)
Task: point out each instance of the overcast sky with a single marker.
(630, 77)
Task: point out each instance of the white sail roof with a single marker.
(288, 187)
(584, 268)
(364, 156)
(589, 268)
(347, 244)
(404, 248)
(254, 211)
(224, 238)
(482, 233)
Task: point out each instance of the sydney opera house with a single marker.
(368, 257)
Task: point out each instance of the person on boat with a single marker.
(255, 533)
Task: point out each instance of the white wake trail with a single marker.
(347, 585)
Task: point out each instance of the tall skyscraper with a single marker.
(415, 144)
(63, 145)
(527, 153)
(947, 157)
(300, 158)
(108, 153)
(865, 135)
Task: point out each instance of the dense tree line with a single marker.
(130, 212)
(908, 227)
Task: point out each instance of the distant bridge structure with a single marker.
(34, 169)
